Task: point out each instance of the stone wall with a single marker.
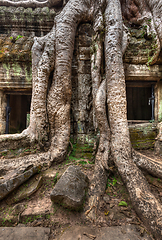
(27, 22)
(15, 62)
(143, 135)
(3, 104)
(82, 126)
(18, 28)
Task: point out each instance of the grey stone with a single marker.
(25, 233)
(105, 233)
(69, 191)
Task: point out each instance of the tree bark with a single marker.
(145, 204)
(50, 108)
(98, 184)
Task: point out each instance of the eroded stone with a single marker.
(69, 191)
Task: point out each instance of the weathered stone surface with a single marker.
(39, 207)
(15, 178)
(25, 233)
(143, 135)
(26, 191)
(69, 191)
(142, 72)
(26, 21)
(111, 233)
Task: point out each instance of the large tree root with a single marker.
(59, 97)
(99, 180)
(16, 171)
(14, 141)
(152, 166)
(50, 109)
(145, 204)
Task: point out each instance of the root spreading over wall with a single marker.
(50, 107)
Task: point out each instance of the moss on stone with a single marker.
(143, 135)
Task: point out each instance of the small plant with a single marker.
(91, 162)
(83, 162)
(123, 203)
(19, 36)
(114, 181)
(55, 178)
(4, 154)
(151, 121)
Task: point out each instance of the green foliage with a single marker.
(83, 162)
(19, 36)
(114, 181)
(111, 182)
(4, 154)
(31, 219)
(151, 121)
(55, 178)
(123, 203)
(79, 152)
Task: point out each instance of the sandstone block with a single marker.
(70, 190)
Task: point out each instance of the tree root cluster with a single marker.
(50, 107)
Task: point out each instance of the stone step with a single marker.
(125, 232)
(25, 233)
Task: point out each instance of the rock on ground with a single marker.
(70, 190)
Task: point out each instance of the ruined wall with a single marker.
(18, 28)
(82, 127)
(3, 104)
(26, 21)
(143, 135)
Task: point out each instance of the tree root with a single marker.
(99, 180)
(144, 202)
(14, 141)
(14, 173)
(50, 108)
(147, 164)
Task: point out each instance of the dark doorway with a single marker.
(138, 107)
(20, 109)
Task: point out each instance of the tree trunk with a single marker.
(145, 204)
(50, 107)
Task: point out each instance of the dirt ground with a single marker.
(36, 210)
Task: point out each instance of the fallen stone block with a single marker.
(70, 189)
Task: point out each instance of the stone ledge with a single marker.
(25, 233)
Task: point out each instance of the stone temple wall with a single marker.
(18, 28)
